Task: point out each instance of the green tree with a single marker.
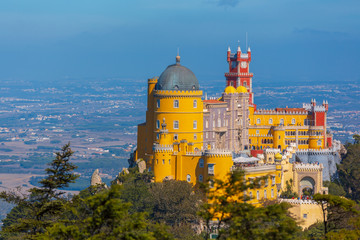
(289, 193)
(335, 188)
(41, 208)
(349, 170)
(176, 204)
(227, 211)
(337, 212)
(106, 217)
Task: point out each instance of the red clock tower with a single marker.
(239, 74)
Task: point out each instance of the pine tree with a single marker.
(39, 209)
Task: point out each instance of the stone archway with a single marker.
(307, 184)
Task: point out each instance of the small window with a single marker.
(270, 121)
(195, 104)
(266, 181)
(305, 215)
(158, 103)
(211, 169)
(176, 124)
(258, 121)
(282, 121)
(257, 132)
(163, 161)
(157, 136)
(188, 178)
(175, 137)
(219, 122)
(272, 193)
(169, 162)
(176, 103)
(201, 163)
(257, 195)
(319, 142)
(293, 121)
(273, 180)
(195, 124)
(157, 161)
(265, 194)
(250, 195)
(206, 123)
(157, 124)
(201, 178)
(195, 136)
(206, 135)
(244, 84)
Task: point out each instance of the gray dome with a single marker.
(177, 77)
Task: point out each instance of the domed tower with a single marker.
(177, 99)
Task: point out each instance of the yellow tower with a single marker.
(163, 151)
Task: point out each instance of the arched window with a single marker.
(282, 121)
(201, 178)
(258, 121)
(157, 124)
(257, 195)
(158, 103)
(207, 123)
(195, 136)
(188, 178)
(293, 121)
(201, 163)
(176, 103)
(195, 124)
(272, 193)
(265, 194)
(195, 104)
(270, 121)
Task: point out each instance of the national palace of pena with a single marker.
(188, 137)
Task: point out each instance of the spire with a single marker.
(239, 49)
(229, 50)
(178, 59)
(249, 50)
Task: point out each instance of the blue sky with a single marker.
(293, 40)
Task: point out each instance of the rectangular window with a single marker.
(257, 132)
(195, 137)
(206, 123)
(206, 135)
(266, 182)
(272, 193)
(257, 195)
(305, 215)
(195, 124)
(258, 121)
(176, 124)
(211, 169)
(282, 121)
(265, 194)
(273, 180)
(176, 103)
(175, 137)
(195, 104)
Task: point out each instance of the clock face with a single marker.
(243, 64)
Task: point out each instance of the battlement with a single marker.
(308, 167)
(297, 201)
(217, 153)
(174, 93)
(282, 111)
(272, 151)
(163, 148)
(315, 152)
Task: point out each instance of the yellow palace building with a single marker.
(189, 138)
